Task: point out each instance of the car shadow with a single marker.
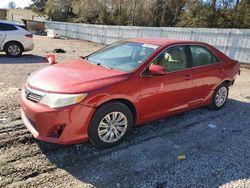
(24, 59)
(215, 144)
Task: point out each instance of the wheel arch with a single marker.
(212, 105)
(226, 81)
(209, 97)
(12, 41)
(126, 102)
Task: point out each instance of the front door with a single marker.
(163, 94)
(2, 35)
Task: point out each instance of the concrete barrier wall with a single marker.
(233, 42)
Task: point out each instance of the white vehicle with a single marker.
(15, 39)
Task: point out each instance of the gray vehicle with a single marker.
(15, 39)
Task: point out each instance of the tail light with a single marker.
(29, 35)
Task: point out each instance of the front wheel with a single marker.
(220, 97)
(110, 124)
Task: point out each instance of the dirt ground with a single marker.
(216, 143)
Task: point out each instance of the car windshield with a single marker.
(125, 56)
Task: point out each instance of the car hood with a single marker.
(74, 76)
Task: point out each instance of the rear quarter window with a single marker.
(23, 27)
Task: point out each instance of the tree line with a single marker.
(154, 13)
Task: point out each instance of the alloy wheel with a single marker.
(14, 50)
(112, 127)
(221, 96)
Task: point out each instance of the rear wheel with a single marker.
(110, 124)
(13, 49)
(220, 97)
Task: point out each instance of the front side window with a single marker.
(125, 56)
(173, 59)
(202, 56)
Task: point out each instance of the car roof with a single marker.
(163, 41)
(11, 23)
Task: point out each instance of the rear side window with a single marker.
(23, 27)
(7, 27)
(202, 56)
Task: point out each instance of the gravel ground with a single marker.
(216, 144)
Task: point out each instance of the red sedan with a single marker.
(101, 97)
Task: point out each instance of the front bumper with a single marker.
(43, 122)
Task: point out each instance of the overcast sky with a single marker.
(19, 3)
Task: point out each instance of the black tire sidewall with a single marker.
(213, 105)
(97, 117)
(13, 43)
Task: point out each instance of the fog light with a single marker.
(57, 131)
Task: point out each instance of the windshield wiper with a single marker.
(99, 64)
(106, 66)
(84, 57)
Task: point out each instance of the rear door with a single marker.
(207, 72)
(2, 34)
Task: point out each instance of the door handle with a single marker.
(221, 70)
(188, 76)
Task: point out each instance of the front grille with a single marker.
(33, 95)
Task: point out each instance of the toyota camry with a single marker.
(102, 96)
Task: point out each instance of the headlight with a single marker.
(61, 100)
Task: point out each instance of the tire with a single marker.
(13, 49)
(219, 97)
(103, 133)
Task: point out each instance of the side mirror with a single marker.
(156, 70)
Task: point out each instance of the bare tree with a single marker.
(12, 5)
(213, 4)
(185, 13)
